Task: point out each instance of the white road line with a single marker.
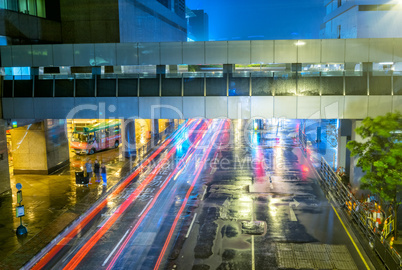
(191, 225)
(292, 214)
(145, 207)
(252, 253)
(203, 195)
(111, 253)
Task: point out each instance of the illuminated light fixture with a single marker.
(300, 43)
(386, 63)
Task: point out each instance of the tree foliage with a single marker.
(380, 155)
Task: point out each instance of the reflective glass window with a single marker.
(193, 86)
(106, 87)
(171, 86)
(7, 88)
(239, 86)
(23, 88)
(149, 87)
(85, 87)
(356, 78)
(128, 87)
(64, 87)
(397, 78)
(284, 83)
(216, 86)
(261, 86)
(43, 87)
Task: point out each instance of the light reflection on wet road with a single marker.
(257, 176)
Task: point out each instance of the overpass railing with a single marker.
(361, 214)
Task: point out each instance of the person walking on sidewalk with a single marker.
(103, 173)
(97, 171)
(88, 167)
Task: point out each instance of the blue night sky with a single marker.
(262, 19)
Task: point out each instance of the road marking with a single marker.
(191, 225)
(118, 244)
(351, 239)
(203, 195)
(252, 253)
(145, 207)
(292, 214)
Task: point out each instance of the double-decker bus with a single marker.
(89, 139)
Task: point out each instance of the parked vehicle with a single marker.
(90, 139)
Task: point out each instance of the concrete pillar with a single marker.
(40, 148)
(355, 172)
(155, 127)
(345, 133)
(4, 169)
(129, 138)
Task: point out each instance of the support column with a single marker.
(128, 138)
(155, 128)
(356, 173)
(4, 169)
(40, 148)
(345, 133)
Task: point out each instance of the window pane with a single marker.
(380, 85)
(106, 87)
(64, 88)
(284, 83)
(128, 87)
(41, 8)
(397, 85)
(332, 85)
(261, 86)
(216, 86)
(8, 88)
(22, 6)
(239, 86)
(308, 86)
(12, 5)
(194, 86)
(85, 88)
(23, 88)
(149, 87)
(43, 88)
(356, 85)
(171, 87)
(32, 7)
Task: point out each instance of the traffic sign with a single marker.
(20, 211)
(18, 186)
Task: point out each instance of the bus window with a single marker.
(79, 137)
(91, 137)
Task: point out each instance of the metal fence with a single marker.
(333, 185)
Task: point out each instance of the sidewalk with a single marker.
(52, 202)
(323, 149)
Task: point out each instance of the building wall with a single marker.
(199, 26)
(21, 28)
(29, 149)
(40, 148)
(361, 23)
(90, 21)
(149, 21)
(57, 150)
(379, 24)
(4, 169)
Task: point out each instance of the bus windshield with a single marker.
(79, 137)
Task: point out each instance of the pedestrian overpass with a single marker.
(296, 79)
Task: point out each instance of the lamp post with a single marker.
(20, 211)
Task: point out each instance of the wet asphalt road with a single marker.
(257, 176)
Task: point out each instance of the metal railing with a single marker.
(359, 213)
